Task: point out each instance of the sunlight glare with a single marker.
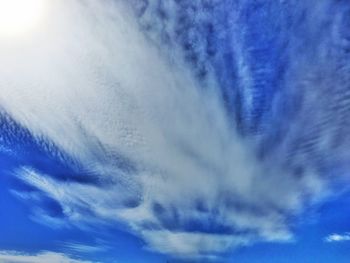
(19, 17)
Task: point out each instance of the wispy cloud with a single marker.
(169, 164)
(46, 256)
(83, 248)
(337, 238)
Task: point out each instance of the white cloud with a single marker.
(195, 243)
(337, 238)
(43, 257)
(165, 152)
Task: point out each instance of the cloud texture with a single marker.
(163, 143)
(52, 257)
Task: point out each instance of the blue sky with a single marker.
(175, 131)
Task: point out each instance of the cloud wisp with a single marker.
(166, 159)
(337, 238)
(46, 256)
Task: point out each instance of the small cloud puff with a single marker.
(337, 237)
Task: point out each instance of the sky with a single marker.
(146, 131)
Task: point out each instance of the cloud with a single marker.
(337, 238)
(169, 162)
(46, 256)
(81, 248)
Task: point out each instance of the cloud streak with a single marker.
(52, 257)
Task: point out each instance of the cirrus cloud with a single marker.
(166, 160)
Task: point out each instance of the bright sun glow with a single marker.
(18, 17)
